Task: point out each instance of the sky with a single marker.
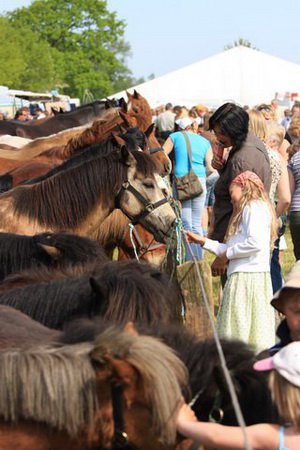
(165, 35)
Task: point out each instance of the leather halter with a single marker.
(121, 440)
(148, 206)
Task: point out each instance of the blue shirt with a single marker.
(199, 148)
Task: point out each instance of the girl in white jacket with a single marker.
(245, 312)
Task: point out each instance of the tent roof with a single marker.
(241, 74)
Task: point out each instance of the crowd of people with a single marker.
(248, 162)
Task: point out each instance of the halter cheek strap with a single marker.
(121, 440)
(148, 206)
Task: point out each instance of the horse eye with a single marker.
(148, 184)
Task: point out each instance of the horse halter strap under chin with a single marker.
(148, 206)
(121, 440)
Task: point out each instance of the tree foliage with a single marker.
(240, 41)
(75, 45)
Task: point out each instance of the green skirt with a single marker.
(245, 312)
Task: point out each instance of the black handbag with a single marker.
(189, 185)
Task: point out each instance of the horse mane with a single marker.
(97, 132)
(161, 374)
(29, 381)
(118, 291)
(44, 274)
(136, 292)
(72, 402)
(207, 378)
(18, 252)
(112, 229)
(65, 200)
(55, 302)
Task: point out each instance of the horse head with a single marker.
(142, 199)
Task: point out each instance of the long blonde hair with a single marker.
(286, 396)
(251, 191)
(257, 124)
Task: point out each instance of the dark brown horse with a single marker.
(80, 116)
(95, 379)
(58, 251)
(118, 291)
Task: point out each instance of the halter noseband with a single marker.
(148, 206)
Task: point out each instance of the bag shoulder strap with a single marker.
(188, 144)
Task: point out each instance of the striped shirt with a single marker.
(294, 168)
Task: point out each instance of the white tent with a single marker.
(240, 74)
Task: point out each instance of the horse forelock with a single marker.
(161, 373)
(62, 379)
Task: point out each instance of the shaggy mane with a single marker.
(64, 201)
(72, 402)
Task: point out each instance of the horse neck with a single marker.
(112, 229)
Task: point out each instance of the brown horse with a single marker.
(136, 378)
(80, 198)
(115, 231)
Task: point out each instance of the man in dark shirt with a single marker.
(230, 126)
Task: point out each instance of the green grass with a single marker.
(287, 263)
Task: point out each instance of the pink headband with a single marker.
(241, 179)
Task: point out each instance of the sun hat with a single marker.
(184, 122)
(292, 282)
(286, 362)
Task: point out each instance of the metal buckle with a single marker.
(121, 438)
(149, 207)
(125, 185)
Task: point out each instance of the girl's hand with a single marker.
(186, 414)
(195, 238)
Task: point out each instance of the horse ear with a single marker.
(130, 329)
(149, 130)
(124, 118)
(128, 95)
(96, 287)
(128, 158)
(136, 94)
(123, 104)
(118, 140)
(52, 251)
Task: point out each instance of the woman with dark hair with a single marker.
(229, 125)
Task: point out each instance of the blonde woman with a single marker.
(245, 312)
(279, 174)
(284, 382)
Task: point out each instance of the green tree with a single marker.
(26, 62)
(86, 39)
(241, 41)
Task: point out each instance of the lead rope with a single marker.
(234, 399)
(131, 228)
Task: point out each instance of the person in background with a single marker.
(294, 215)
(229, 124)
(201, 155)
(287, 302)
(245, 312)
(276, 112)
(284, 383)
(39, 114)
(286, 119)
(279, 193)
(165, 122)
